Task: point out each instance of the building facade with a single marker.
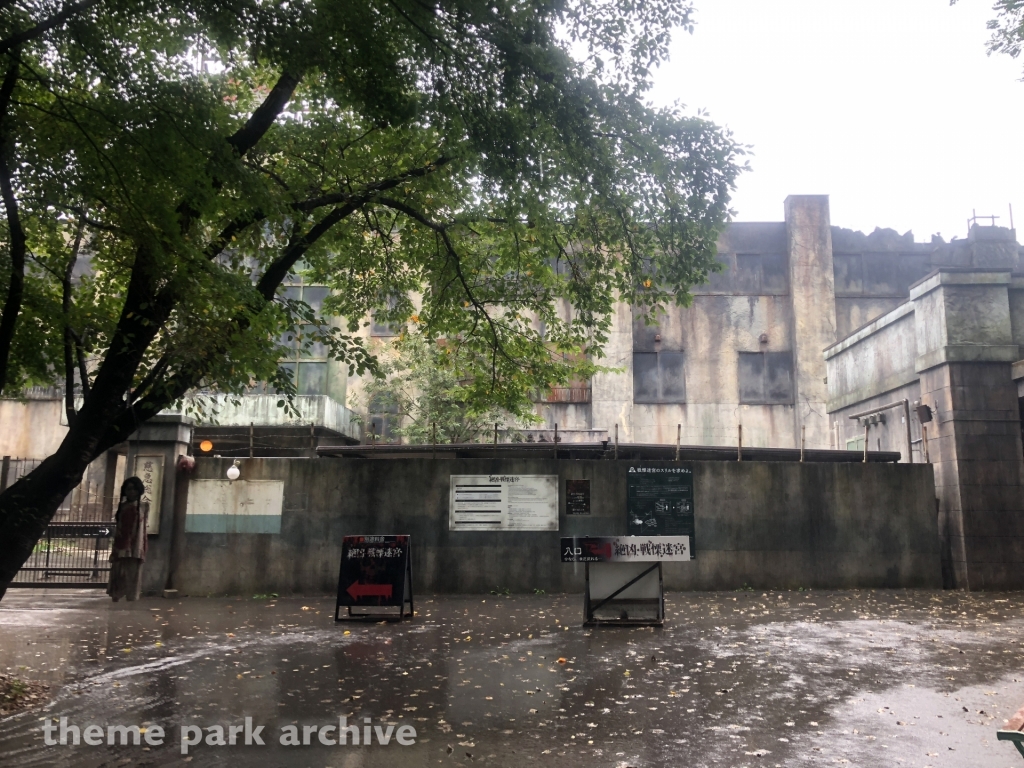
(810, 335)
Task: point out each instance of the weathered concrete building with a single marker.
(952, 347)
(749, 350)
(809, 333)
(808, 327)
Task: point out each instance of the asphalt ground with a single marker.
(857, 678)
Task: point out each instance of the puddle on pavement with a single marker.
(871, 678)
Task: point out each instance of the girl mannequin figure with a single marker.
(130, 542)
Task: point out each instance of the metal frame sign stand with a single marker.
(375, 581)
(660, 521)
(621, 579)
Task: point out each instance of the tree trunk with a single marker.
(27, 507)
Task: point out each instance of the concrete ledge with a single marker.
(968, 353)
(1017, 370)
(889, 384)
(890, 317)
(959, 276)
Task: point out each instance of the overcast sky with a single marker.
(891, 107)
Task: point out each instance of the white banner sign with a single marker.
(503, 503)
(625, 549)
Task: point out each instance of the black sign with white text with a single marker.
(373, 571)
(577, 497)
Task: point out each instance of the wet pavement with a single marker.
(858, 678)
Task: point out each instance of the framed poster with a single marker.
(659, 502)
(503, 503)
(375, 577)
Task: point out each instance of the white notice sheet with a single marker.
(503, 503)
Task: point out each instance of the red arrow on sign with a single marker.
(358, 590)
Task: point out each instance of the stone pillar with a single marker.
(160, 441)
(964, 357)
(813, 300)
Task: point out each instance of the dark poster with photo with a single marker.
(660, 502)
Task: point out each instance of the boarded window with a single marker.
(384, 420)
(379, 326)
(312, 379)
(748, 273)
(766, 378)
(774, 273)
(659, 377)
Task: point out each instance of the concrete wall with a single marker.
(951, 347)
(763, 524)
(877, 359)
(31, 429)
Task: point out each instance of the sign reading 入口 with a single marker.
(503, 503)
(625, 549)
(659, 502)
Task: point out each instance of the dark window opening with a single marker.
(766, 378)
(659, 377)
(380, 327)
(384, 420)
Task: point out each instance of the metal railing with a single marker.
(75, 550)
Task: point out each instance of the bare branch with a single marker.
(277, 271)
(154, 373)
(83, 373)
(232, 230)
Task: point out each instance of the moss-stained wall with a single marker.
(762, 524)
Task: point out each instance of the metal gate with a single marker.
(75, 550)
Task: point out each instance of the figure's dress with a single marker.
(129, 552)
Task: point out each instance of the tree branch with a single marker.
(246, 137)
(155, 372)
(83, 373)
(234, 228)
(277, 271)
(16, 283)
(45, 26)
(341, 198)
(442, 231)
(259, 122)
(65, 303)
